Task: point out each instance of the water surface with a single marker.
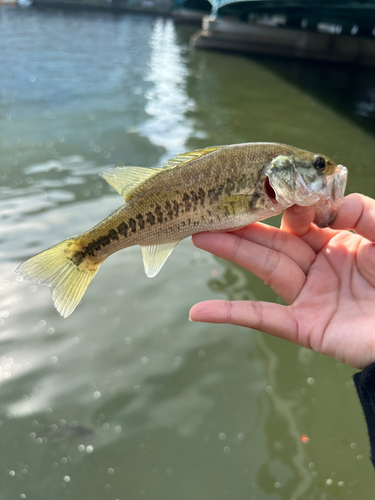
(126, 399)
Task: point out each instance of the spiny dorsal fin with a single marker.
(192, 155)
(154, 257)
(126, 180)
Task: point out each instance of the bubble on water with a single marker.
(144, 360)
(54, 359)
(277, 485)
(22, 495)
(96, 395)
(110, 470)
(311, 381)
(106, 426)
(32, 78)
(12, 473)
(67, 479)
(127, 340)
(118, 429)
(226, 449)
(201, 353)
(136, 389)
(240, 436)
(222, 436)
(341, 483)
(81, 447)
(89, 448)
(329, 482)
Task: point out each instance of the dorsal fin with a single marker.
(192, 155)
(126, 180)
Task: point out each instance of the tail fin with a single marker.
(65, 270)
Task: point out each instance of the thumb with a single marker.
(297, 220)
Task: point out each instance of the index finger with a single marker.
(357, 213)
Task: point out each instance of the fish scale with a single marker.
(213, 189)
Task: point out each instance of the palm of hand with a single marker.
(334, 309)
(327, 277)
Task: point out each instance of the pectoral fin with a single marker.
(154, 257)
(238, 204)
(126, 180)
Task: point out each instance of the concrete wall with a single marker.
(226, 34)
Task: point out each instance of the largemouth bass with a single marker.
(214, 189)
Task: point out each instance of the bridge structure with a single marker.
(333, 30)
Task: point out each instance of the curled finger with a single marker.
(277, 270)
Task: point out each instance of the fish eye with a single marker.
(319, 164)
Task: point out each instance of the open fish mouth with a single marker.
(270, 192)
(326, 209)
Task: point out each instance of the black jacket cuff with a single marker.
(365, 384)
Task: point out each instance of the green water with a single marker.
(126, 399)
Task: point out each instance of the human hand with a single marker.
(327, 276)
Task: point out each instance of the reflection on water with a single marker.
(167, 101)
(126, 398)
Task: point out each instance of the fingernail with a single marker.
(191, 319)
(298, 210)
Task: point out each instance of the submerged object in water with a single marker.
(219, 188)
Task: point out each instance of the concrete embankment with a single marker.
(233, 35)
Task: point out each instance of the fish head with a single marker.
(306, 179)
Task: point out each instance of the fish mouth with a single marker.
(270, 192)
(326, 209)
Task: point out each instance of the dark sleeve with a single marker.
(365, 384)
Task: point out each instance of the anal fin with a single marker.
(154, 257)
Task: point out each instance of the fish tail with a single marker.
(65, 269)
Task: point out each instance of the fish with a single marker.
(219, 188)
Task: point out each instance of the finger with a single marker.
(298, 221)
(267, 317)
(280, 241)
(357, 213)
(279, 272)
